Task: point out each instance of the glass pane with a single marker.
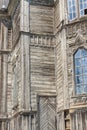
(78, 54)
(74, 14)
(79, 89)
(78, 70)
(85, 61)
(85, 79)
(81, 6)
(79, 79)
(84, 52)
(85, 88)
(85, 70)
(78, 62)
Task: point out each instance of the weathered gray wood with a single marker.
(44, 16)
(47, 109)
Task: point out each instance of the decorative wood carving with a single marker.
(80, 38)
(72, 29)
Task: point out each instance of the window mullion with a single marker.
(77, 9)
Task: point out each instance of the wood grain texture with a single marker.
(41, 19)
(42, 71)
(47, 109)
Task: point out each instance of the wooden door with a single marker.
(47, 113)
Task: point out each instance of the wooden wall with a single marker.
(5, 46)
(42, 72)
(42, 2)
(41, 19)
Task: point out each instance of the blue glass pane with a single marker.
(78, 71)
(85, 5)
(70, 11)
(78, 62)
(79, 89)
(78, 54)
(85, 88)
(84, 52)
(84, 61)
(85, 79)
(85, 70)
(73, 8)
(69, 3)
(70, 16)
(79, 79)
(73, 2)
(74, 15)
(81, 6)
(82, 13)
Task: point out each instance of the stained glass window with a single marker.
(80, 58)
(71, 9)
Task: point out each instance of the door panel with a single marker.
(47, 112)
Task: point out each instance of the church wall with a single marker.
(44, 64)
(44, 16)
(42, 71)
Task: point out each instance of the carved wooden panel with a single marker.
(42, 40)
(72, 28)
(47, 111)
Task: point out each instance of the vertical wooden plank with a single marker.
(4, 83)
(34, 122)
(80, 122)
(77, 121)
(22, 72)
(30, 127)
(22, 123)
(24, 16)
(2, 125)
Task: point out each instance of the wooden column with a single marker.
(5, 64)
(24, 16)
(27, 73)
(22, 72)
(25, 59)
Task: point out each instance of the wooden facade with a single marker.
(37, 84)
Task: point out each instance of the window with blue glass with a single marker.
(80, 59)
(76, 8)
(83, 6)
(71, 9)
